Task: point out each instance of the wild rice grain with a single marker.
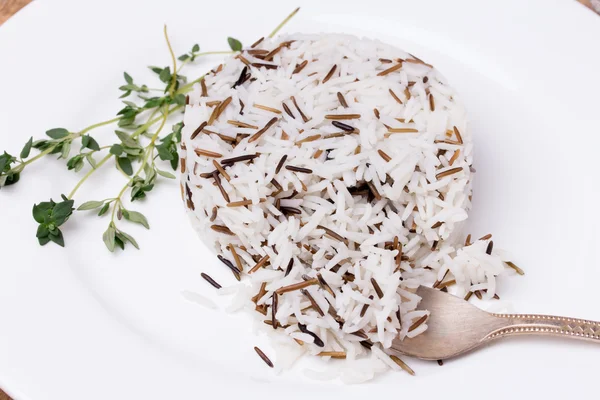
(233, 160)
(334, 234)
(241, 124)
(258, 134)
(329, 74)
(390, 70)
(318, 342)
(402, 130)
(287, 110)
(198, 130)
(342, 116)
(259, 264)
(311, 138)
(210, 280)
(271, 109)
(418, 323)
(274, 311)
(304, 117)
(374, 191)
(297, 286)
(263, 356)
(289, 267)
(259, 41)
(513, 266)
(207, 153)
(263, 65)
(384, 155)
(365, 307)
(313, 303)
(342, 126)
(240, 203)
(300, 67)
(298, 169)
(458, 135)
(377, 288)
(454, 157)
(324, 285)
(221, 170)
(222, 229)
(220, 186)
(394, 96)
(342, 100)
(402, 365)
(448, 172)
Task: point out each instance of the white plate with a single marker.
(80, 323)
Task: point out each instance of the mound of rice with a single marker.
(333, 173)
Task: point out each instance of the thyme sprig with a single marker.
(134, 150)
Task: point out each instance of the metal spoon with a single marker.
(455, 326)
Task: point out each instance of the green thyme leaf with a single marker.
(128, 78)
(165, 75)
(136, 217)
(126, 139)
(125, 165)
(90, 205)
(180, 99)
(79, 165)
(42, 211)
(90, 159)
(127, 238)
(57, 238)
(90, 143)
(66, 149)
(116, 149)
(26, 150)
(104, 209)
(62, 211)
(196, 48)
(183, 57)
(109, 237)
(57, 133)
(234, 44)
(119, 242)
(42, 231)
(74, 162)
(165, 174)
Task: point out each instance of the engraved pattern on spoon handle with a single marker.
(546, 325)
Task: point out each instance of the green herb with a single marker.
(234, 44)
(27, 149)
(134, 149)
(191, 56)
(130, 87)
(8, 175)
(50, 215)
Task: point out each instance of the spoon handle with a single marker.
(547, 325)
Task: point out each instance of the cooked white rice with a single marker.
(391, 184)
